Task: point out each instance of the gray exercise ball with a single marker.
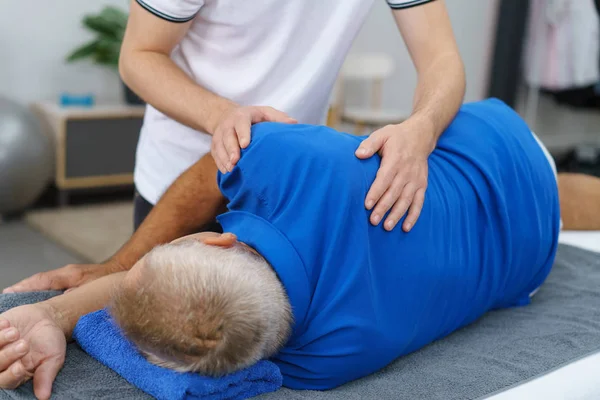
(26, 158)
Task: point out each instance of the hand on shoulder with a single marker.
(232, 133)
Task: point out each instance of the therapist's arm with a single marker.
(402, 178)
(147, 68)
(441, 81)
(193, 200)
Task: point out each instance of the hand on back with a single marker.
(233, 132)
(65, 278)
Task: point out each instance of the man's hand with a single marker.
(233, 132)
(67, 277)
(32, 345)
(401, 181)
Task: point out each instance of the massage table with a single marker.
(578, 379)
(547, 350)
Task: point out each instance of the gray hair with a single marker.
(204, 308)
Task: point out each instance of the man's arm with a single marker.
(402, 178)
(147, 68)
(192, 201)
(441, 83)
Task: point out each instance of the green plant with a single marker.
(109, 27)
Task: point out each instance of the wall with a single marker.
(36, 35)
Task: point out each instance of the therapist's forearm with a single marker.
(160, 82)
(439, 94)
(69, 307)
(191, 202)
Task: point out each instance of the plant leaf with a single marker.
(102, 56)
(102, 26)
(115, 15)
(110, 48)
(84, 51)
(109, 26)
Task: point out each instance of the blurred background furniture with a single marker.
(546, 66)
(94, 146)
(372, 70)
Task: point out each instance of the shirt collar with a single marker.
(275, 247)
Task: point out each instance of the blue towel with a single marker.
(100, 337)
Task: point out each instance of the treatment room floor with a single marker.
(24, 252)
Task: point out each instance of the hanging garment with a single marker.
(563, 45)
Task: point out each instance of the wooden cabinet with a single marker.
(95, 146)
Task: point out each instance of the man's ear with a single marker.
(223, 240)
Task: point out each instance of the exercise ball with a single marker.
(26, 158)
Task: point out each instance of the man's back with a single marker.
(363, 296)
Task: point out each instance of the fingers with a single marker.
(272, 115)
(415, 210)
(383, 180)
(219, 152)
(8, 335)
(44, 377)
(52, 280)
(11, 353)
(231, 145)
(234, 133)
(33, 283)
(242, 129)
(370, 146)
(387, 201)
(13, 377)
(400, 206)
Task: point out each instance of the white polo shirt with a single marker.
(280, 53)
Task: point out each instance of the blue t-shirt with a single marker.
(362, 296)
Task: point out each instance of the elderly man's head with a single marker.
(205, 303)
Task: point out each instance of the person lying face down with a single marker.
(303, 278)
(204, 303)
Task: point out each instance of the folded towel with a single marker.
(99, 336)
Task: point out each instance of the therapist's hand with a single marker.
(32, 346)
(401, 181)
(233, 132)
(65, 278)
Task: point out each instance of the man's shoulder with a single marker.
(275, 134)
(299, 141)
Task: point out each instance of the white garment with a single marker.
(550, 161)
(563, 44)
(280, 53)
(553, 166)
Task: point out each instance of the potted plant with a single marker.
(109, 28)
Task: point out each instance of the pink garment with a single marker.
(563, 45)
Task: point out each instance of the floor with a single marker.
(25, 252)
(92, 231)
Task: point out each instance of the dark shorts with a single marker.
(142, 207)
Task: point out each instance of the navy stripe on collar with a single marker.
(162, 15)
